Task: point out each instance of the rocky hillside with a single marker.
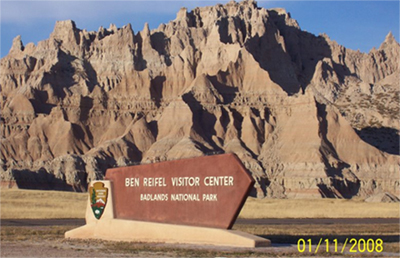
(307, 117)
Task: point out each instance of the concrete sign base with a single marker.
(151, 232)
(102, 224)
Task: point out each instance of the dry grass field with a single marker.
(34, 204)
(317, 208)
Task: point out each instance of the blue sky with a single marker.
(354, 24)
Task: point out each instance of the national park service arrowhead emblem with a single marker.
(98, 198)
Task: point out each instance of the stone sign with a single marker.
(191, 201)
(205, 191)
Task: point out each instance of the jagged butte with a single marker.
(308, 118)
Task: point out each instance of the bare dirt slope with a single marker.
(306, 116)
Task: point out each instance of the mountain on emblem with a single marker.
(98, 198)
(101, 201)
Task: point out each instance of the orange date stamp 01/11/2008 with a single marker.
(353, 245)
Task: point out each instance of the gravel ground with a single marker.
(46, 239)
(76, 248)
(57, 248)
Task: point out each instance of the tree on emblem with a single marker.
(93, 197)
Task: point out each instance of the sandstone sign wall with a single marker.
(306, 116)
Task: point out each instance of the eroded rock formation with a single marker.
(306, 116)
